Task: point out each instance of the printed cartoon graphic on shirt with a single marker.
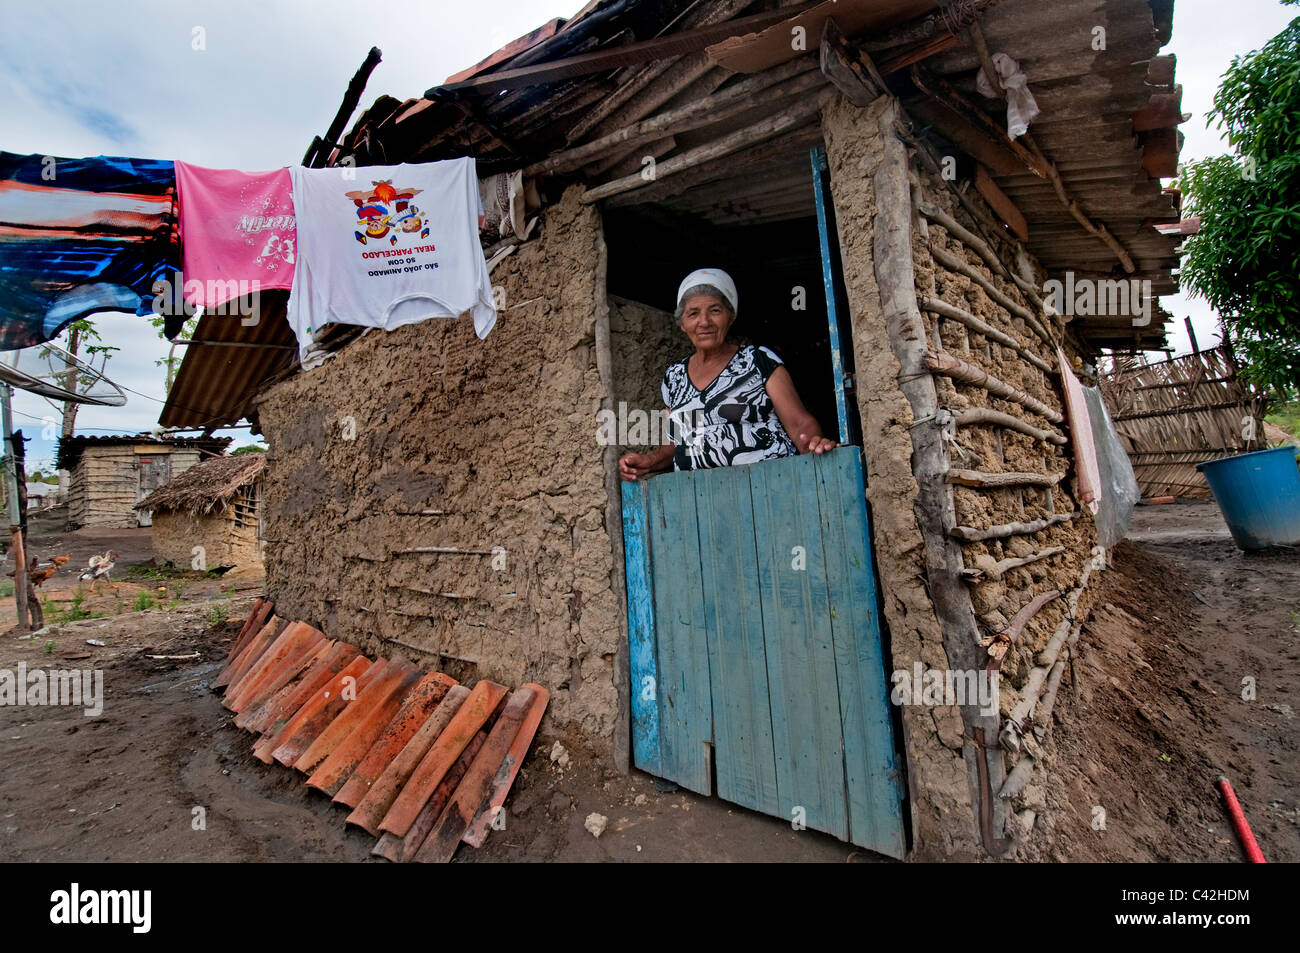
(384, 209)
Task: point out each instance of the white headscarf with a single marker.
(714, 278)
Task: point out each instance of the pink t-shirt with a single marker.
(238, 232)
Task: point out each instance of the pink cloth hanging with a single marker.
(1086, 469)
(237, 228)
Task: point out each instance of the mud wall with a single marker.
(644, 341)
(429, 490)
(175, 534)
(945, 798)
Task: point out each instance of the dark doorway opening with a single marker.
(777, 268)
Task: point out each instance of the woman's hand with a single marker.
(816, 443)
(633, 466)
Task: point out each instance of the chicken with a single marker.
(38, 574)
(99, 567)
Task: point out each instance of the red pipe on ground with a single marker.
(1253, 853)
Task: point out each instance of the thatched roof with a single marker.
(207, 486)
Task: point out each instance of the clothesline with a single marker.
(376, 246)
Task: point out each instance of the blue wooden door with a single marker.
(756, 653)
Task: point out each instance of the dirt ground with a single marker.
(1183, 617)
(1186, 625)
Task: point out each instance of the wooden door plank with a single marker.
(642, 668)
(682, 690)
(800, 646)
(872, 782)
(744, 761)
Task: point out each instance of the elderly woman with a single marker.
(728, 405)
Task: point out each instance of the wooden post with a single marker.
(15, 517)
(1191, 335)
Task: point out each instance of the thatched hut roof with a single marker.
(207, 486)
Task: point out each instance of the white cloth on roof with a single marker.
(386, 246)
(1021, 106)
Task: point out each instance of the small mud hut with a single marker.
(746, 631)
(109, 475)
(210, 516)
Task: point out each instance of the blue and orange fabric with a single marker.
(79, 236)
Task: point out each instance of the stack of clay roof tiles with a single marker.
(422, 762)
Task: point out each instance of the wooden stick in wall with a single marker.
(941, 362)
(978, 246)
(893, 264)
(987, 415)
(953, 263)
(969, 534)
(986, 568)
(979, 478)
(998, 645)
(940, 307)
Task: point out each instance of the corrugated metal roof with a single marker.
(70, 449)
(231, 363)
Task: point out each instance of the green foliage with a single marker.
(75, 612)
(6, 589)
(143, 601)
(169, 573)
(172, 361)
(251, 448)
(49, 647)
(217, 614)
(1246, 259)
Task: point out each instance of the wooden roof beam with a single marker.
(675, 44)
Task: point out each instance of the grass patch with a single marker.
(168, 573)
(144, 601)
(6, 589)
(75, 612)
(1286, 416)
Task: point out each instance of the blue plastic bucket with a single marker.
(1259, 495)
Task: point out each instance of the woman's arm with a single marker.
(633, 466)
(798, 423)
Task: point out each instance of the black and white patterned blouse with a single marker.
(730, 422)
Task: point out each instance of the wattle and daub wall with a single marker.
(924, 298)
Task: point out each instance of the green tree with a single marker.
(172, 361)
(1245, 261)
(83, 340)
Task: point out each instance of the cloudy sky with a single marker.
(247, 83)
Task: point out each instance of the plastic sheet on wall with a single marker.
(1120, 491)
